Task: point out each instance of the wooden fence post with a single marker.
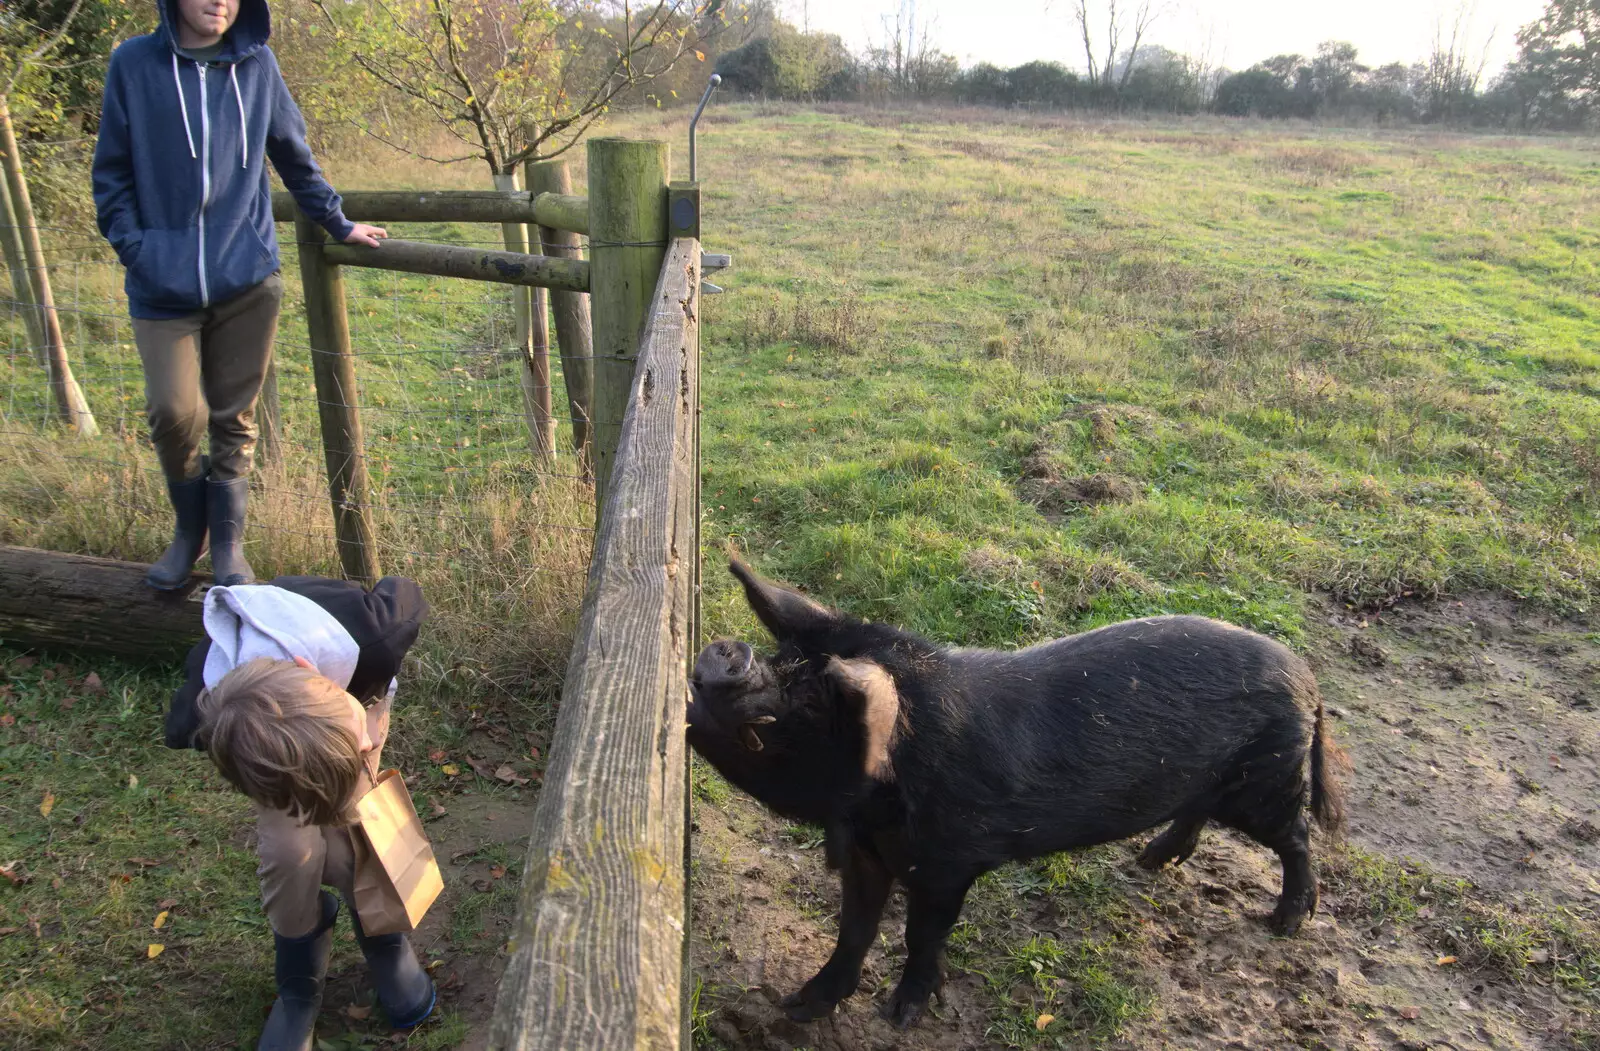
(571, 311)
(334, 368)
(627, 243)
(533, 339)
(269, 417)
(71, 405)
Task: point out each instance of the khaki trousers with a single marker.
(204, 372)
(297, 861)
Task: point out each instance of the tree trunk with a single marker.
(71, 405)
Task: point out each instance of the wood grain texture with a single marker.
(54, 600)
(333, 367)
(474, 264)
(597, 952)
(528, 304)
(563, 211)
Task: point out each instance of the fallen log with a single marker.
(58, 601)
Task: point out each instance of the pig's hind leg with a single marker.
(1175, 844)
(865, 889)
(1289, 835)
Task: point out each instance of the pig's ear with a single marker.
(876, 703)
(784, 611)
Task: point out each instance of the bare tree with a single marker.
(1121, 22)
(514, 80)
(1450, 77)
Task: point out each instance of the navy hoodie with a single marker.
(180, 177)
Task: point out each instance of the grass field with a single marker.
(995, 380)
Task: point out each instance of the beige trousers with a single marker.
(297, 860)
(204, 372)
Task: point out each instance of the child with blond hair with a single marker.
(290, 696)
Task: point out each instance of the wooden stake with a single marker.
(334, 368)
(551, 180)
(533, 351)
(71, 405)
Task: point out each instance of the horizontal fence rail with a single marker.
(597, 952)
(508, 268)
(559, 211)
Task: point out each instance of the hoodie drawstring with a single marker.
(244, 129)
(184, 106)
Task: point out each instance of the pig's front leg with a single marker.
(931, 910)
(865, 886)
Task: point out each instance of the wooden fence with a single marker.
(597, 959)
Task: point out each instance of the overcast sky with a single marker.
(1237, 33)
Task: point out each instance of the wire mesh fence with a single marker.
(498, 535)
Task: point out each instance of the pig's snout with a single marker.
(722, 662)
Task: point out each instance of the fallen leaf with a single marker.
(533, 753)
(48, 675)
(55, 884)
(1042, 1021)
(1425, 913)
(166, 903)
(155, 949)
(1411, 1012)
(68, 702)
(8, 930)
(1555, 762)
(133, 780)
(483, 886)
(7, 719)
(1462, 1005)
(497, 871)
(358, 1013)
(12, 870)
(1539, 956)
(480, 768)
(47, 804)
(23, 663)
(508, 776)
(1445, 960)
(437, 755)
(144, 863)
(161, 920)
(92, 683)
(438, 811)
(450, 769)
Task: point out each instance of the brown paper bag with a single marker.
(397, 877)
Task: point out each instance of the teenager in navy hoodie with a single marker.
(192, 113)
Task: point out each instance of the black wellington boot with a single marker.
(301, 969)
(171, 571)
(405, 991)
(225, 509)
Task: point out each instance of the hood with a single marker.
(249, 33)
(258, 620)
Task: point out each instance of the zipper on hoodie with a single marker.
(205, 180)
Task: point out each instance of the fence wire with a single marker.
(499, 536)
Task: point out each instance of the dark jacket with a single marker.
(384, 622)
(180, 177)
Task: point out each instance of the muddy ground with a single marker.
(1459, 914)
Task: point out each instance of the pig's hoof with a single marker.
(903, 1009)
(807, 1005)
(1286, 919)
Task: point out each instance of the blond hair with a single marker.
(281, 734)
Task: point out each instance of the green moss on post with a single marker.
(627, 244)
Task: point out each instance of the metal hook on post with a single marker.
(694, 171)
